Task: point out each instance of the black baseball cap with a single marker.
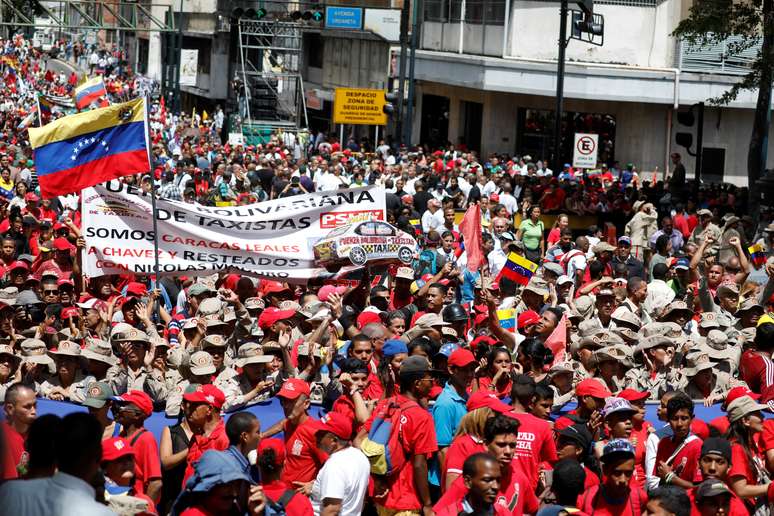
(717, 446)
(578, 434)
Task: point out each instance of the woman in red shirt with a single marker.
(468, 440)
(747, 477)
(562, 221)
(271, 462)
(497, 377)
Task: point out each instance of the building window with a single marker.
(488, 12)
(535, 133)
(314, 43)
(713, 164)
(436, 10)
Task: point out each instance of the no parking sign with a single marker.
(584, 153)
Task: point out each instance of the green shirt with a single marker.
(531, 234)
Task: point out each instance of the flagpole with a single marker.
(40, 115)
(156, 266)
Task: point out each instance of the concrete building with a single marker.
(486, 77)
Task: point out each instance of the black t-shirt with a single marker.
(420, 201)
(266, 176)
(678, 177)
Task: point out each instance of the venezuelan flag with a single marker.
(92, 147)
(757, 255)
(507, 319)
(518, 269)
(45, 106)
(88, 92)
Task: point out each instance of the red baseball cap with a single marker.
(272, 287)
(277, 446)
(293, 388)
(208, 394)
(486, 340)
(633, 395)
(337, 423)
(272, 314)
(137, 398)
(73, 311)
(527, 318)
(481, 399)
(592, 387)
(62, 244)
(136, 289)
(461, 358)
(367, 317)
(115, 448)
(19, 264)
(738, 392)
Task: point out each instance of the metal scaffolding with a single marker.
(88, 15)
(269, 61)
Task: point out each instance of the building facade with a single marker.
(486, 77)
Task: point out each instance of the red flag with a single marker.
(557, 341)
(653, 180)
(470, 227)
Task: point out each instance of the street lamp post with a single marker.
(563, 11)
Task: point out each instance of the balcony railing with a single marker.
(715, 58)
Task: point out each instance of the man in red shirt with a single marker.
(354, 378)
(130, 411)
(591, 396)
(514, 494)
(677, 457)
(756, 367)
(535, 438)
(482, 476)
(409, 490)
(615, 497)
(714, 464)
(203, 414)
(20, 411)
(304, 458)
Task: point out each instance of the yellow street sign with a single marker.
(359, 107)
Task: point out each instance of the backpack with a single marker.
(569, 255)
(278, 508)
(384, 445)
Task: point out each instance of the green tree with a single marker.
(752, 22)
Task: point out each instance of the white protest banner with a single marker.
(272, 239)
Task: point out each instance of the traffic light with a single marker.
(390, 100)
(248, 14)
(314, 13)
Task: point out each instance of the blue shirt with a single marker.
(447, 412)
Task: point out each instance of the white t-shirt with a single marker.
(344, 476)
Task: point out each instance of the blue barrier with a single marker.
(270, 412)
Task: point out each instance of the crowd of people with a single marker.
(434, 403)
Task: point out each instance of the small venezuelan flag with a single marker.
(757, 255)
(507, 319)
(518, 269)
(88, 92)
(417, 224)
(82, 150)
(45, 106)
